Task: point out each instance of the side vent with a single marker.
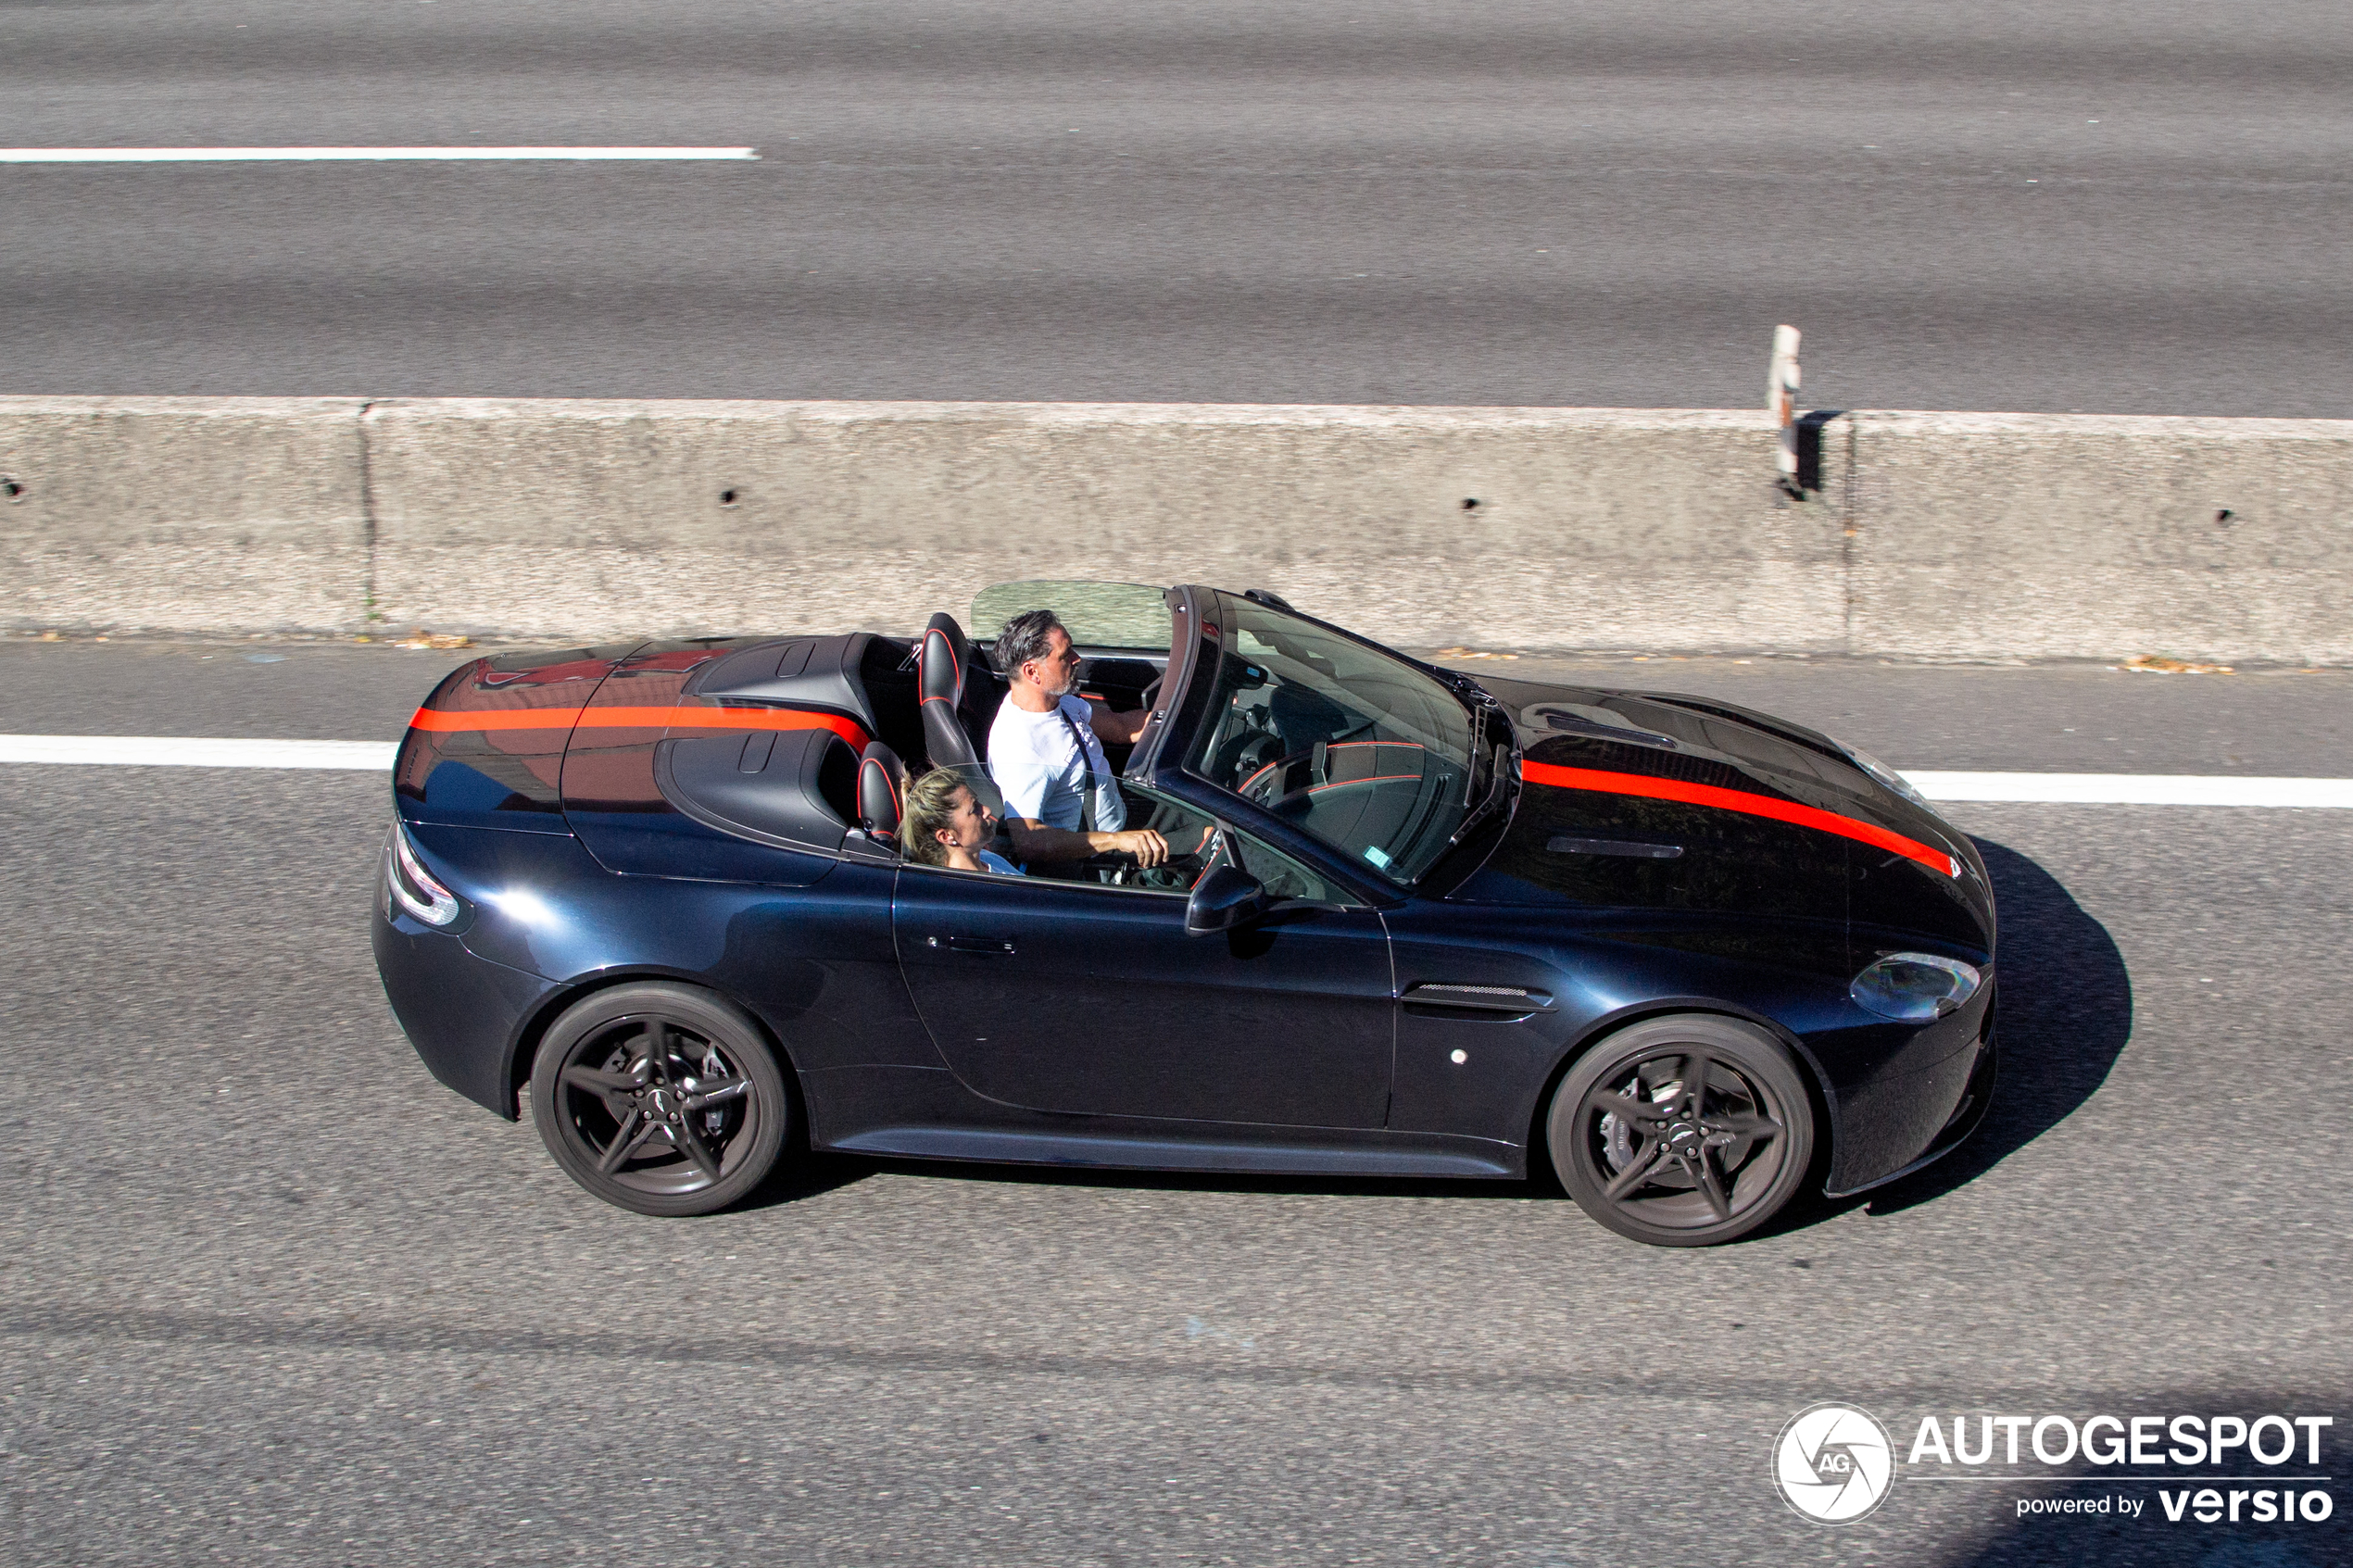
(1501, 1003)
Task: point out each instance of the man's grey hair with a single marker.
(1027, 636)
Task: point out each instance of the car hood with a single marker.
(1598, 761)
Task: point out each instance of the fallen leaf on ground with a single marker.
(2149, 663)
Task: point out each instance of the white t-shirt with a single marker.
(1036, 763)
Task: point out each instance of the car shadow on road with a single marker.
(811, 1174)
(2065, 1004)
(804, 1174)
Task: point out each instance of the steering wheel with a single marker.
(1179, 871)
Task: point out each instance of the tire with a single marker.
(1631, 1152)
(659, 1098)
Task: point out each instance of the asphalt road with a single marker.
(266, 1293)
(2075, 205)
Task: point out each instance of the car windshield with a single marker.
(1347, 742)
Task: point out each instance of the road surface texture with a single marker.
(2103, 207)
(270, 1293)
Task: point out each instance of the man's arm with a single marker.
(1033, 840)
(1021, 777)
(1121, 728)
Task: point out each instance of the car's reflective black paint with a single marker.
(671, 811)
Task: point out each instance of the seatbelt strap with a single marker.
(1078, 739)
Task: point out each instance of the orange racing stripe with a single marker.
(441, 722)
(1743, 802)
(444, 722)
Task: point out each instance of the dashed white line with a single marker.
(197, 751)
(2066, 789)
(2135, 789)
(374, 155)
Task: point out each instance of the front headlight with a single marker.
(1883, 774)
(1914, 987)
(415, 889)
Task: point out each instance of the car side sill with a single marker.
(999, 1146)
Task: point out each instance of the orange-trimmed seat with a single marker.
(879, 798)
(955, 712)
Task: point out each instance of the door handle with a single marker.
(995, 946)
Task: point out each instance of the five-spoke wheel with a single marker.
(660, 1099)
(1682, 1131)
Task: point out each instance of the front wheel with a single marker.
(660, 1099)
(1682, 1131)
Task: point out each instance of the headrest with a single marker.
(878, 776)
(939, 663)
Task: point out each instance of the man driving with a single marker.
(1046, 753)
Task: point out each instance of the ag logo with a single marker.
(1834, 1462)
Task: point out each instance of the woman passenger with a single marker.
(943, 825)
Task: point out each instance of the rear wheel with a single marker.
(1682, 1131)
(660, 1099)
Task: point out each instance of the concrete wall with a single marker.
(1592, 528)
(177, 514)
(1935, 535)
(1993, 535)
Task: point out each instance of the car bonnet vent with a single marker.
(1568, 844)
(1597, 723)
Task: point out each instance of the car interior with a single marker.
(929, 702)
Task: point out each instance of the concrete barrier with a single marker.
(2039, 536)
(1538, 527)
(175, 514)
(1932, 536)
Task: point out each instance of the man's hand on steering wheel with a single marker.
(1147, 846)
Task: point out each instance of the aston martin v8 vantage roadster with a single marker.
(1693, 958)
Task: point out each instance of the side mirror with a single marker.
(1223, 899)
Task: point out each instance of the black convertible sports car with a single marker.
(1696, 957)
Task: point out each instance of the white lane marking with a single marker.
(2071, 789)
(198, 751)
(2135, 789)
(371, 154)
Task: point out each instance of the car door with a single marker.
(1088, 998)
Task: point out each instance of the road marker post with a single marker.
(1781, 398)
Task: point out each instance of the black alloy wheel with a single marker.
(1683, 1131)
(660, 1099)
